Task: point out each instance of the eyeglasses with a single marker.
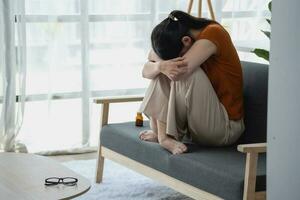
(69, 181)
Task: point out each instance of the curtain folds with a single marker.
(12, 74)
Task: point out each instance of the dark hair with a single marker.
(166, 36)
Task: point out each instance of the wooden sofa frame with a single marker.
(251, 151)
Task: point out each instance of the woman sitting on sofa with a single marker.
(196, 87)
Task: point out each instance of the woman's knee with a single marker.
(163, 79)
(198, 82)
(199, 75)
(161, 84)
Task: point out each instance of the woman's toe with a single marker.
(143, 132)
(181, 148)
(176, 152)
(142, 135)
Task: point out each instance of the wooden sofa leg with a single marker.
(100, 159)
(100, 166)
(250, 176)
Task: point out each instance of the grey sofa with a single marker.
(204, 172)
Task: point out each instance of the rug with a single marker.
(121, 183)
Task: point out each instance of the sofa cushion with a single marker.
(255, 102)
(216, 170)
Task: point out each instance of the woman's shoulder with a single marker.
(216, 34)
(214, 27)
(213, 30)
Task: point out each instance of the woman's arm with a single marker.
(200, 51)
(171, 68)
(151, 68)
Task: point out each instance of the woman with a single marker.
(196, 86)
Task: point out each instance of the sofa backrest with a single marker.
(255, 102)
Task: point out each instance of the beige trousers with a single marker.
(191, 107)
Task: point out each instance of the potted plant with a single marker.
(265, 54)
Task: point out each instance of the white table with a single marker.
(22, 176)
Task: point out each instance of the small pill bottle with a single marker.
(139, 119)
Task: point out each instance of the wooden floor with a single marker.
(65, 158)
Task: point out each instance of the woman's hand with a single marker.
(173, 68)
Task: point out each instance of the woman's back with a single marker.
(224, 70)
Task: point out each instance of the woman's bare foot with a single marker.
(173, 146)
(149, 136)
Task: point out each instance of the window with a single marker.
(79, 49)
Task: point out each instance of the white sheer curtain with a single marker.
(12, 74)
(244, 20)
(57, 114)
(81, 49)
(78, 50)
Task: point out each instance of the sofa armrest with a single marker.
(118, 99)
(105, 101)
(252, 148)
(252, 151)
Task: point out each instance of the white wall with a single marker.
(283, 162)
